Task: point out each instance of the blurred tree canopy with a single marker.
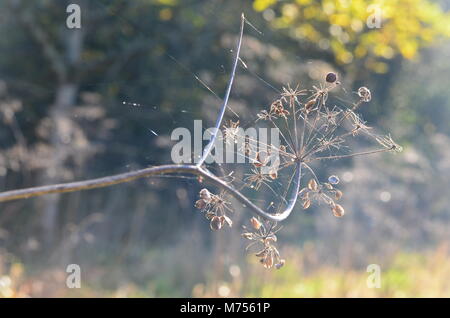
(340, 26)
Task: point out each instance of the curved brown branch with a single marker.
(94, 183)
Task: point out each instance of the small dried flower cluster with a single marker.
(215, 208)
(256, 178)
(276, 110)
(323, 193)
(263, 234)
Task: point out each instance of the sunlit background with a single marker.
(104, 99)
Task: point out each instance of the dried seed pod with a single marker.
(268, 260)
(278, 104)
(331, 77)
(247, 235)
(328, 186)
(205, 195)
(306, 204)
(280, 264)
(312, 185)
(338, 210)
(309, 105)
(364, 94)
(200, 204)
(227, 220)
(273, 174)
(333, 179)
(216, 223)
(338, 194)
(255, 223)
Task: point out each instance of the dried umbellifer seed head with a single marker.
(255, 223)
(216, 223)
(338, 210)
(331, 77)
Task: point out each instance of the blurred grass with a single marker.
(406, 275)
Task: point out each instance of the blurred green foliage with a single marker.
(406, 275)
(344, 27)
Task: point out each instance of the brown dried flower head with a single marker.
(216, 223)
(338, 210)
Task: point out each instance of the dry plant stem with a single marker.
(171, 169)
